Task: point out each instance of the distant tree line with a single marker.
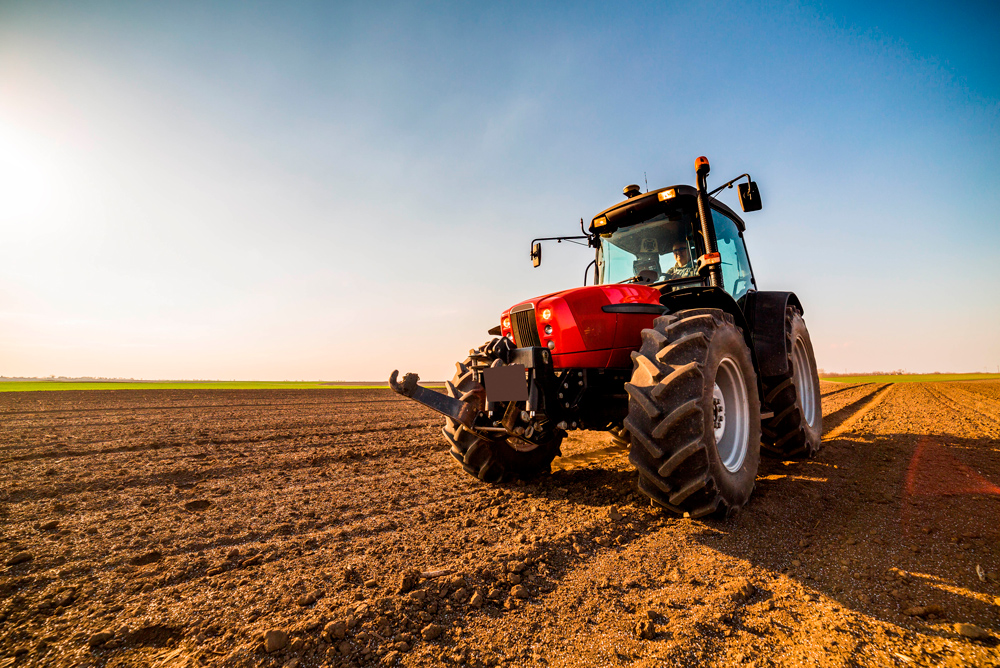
(897, 372)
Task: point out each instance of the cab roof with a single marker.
(645, 206)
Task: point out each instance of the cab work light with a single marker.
(669, 193)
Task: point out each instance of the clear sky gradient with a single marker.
(335, 190)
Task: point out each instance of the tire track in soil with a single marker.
(847, 417)
(830, 393)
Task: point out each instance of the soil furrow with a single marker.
(844, 419)
(985, 424)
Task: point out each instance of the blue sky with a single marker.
(336, 190)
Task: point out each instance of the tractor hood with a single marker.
(585, 327)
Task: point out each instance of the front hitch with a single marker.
(460, 411)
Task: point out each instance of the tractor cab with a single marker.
(656, 239)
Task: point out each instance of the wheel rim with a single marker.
(804, 382)
(730, 415)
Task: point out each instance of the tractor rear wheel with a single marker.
(492, 459)
(694, 414)
(796, 429)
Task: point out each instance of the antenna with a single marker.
(646, 180)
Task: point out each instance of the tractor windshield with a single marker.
(657, 250)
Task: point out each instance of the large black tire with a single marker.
(796, 429)
(492, 460)
(691, 365)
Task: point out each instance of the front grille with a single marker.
(525, 329)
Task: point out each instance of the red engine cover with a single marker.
(584, 336)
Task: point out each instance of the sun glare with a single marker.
(26, 181)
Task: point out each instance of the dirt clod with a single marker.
(335, 631)
(971, 631)
(431, 631)
(20, 558)
(408, 581)
(645, 629)
(99, 638)
(924, 611)
(309, 598)
(274, 640)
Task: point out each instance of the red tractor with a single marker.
(673, 350)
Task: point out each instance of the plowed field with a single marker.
(179, 528)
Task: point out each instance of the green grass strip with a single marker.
(914, 378)
(56, 386)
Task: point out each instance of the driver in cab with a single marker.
(683, 267)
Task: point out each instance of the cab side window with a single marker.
(737, 279)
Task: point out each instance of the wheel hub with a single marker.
(718, 413)
(730, 415)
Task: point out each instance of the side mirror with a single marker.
(536, 253)
(750, 197)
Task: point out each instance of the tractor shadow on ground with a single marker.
(881, 526)
(591, 486)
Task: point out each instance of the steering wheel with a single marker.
(646, 276)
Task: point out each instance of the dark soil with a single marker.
(178, 528)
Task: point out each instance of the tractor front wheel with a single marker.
(493, 459)
(694, 414)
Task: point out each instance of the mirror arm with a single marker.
(729, 184)
(559, 239)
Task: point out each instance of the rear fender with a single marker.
(766, 312)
